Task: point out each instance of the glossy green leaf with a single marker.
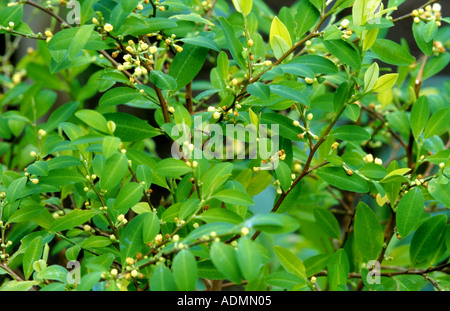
(172, 168)
(162, 279)
(234, 45)
(185, 271)
(306, 17)
(224, 259)
(409, 212)
(425, 239)
(220, 215)
(327, 222)
(350, 133)
(440, 191)
(345, 52)
(368, 232)
(338, 269)
(249, 259)
(129, 195)
(338, 178)
(93, 118)
(233, 197)
(118, 96)
(32, 254)
(420, 113)
(115, 168)
(290, 261)
(392, 53)
(72, 219)
(130, 128)
(186, 65)
(438, 123)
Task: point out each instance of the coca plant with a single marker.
(313, 155)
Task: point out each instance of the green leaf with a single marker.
(96, 241)
(438, 123)
(249, 259)
(131, 239)
(409, 211)
(327, 222)
(315, 264)
(26, 213)
(419, 116)
(233, 44)
(129, 195)
(11, 14)
(246, 6)
(290, 262)
(193, 17)
(72, 219)
(440, 192)
(129, 5)
(350, 133)
(55, 272)
(436, 65)
(318, 64)
(429, 31)
(338, 178)
(185, 271)
(340, 97)
(61, 114)
(279, 46)
(426, 239)
(17, 286)
(385, 82)
(373, 171)
(186, 65)
(277, 28)
(345, 52)
(368, 232)
(306, 17)
(162, 80)
(392, 53)
(283, 279)
(15, 188)
(172, 168)
(162, 279)
(272, 223)
(371, 77)
(289, 93)
(39, 168)
(233, 197)
(220, 215)
(200, 41)
(283, 172)
(115, 168)
(130, 128)
(224, 259)
(259, 89)
(119, 96)
(359, 12)
(62, 177)
(32, 254)
(110, 146)
(151, 226)
(338, 268)
(425, 47)
(93, 118)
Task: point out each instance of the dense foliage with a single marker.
(313, 155)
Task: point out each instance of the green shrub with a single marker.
(310, 153)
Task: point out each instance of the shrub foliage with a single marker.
(343, 184)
